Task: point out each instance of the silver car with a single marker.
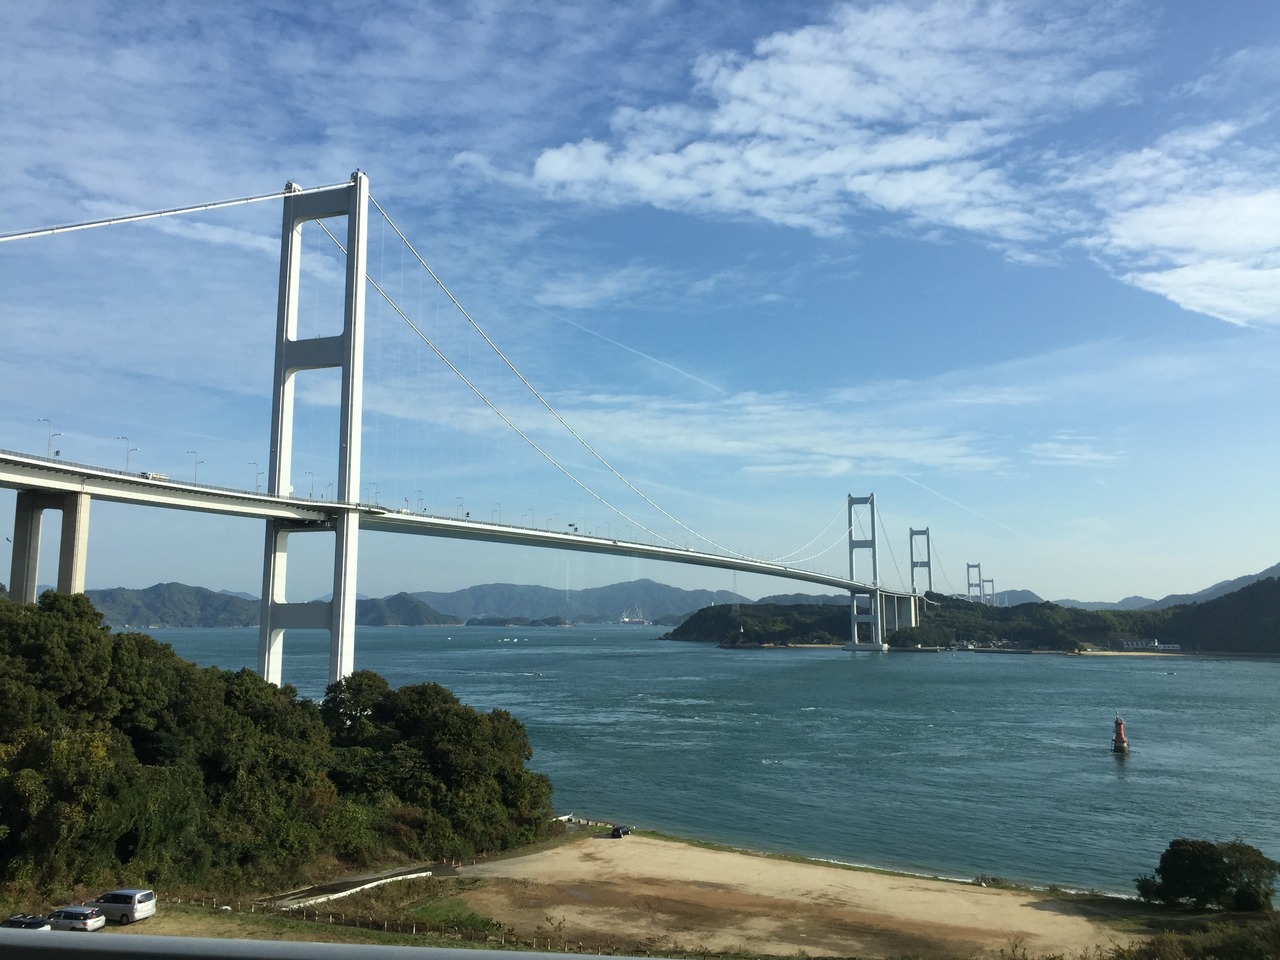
(126, 906)
(77, 918)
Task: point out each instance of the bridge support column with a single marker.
(866, 605)
(346, 353)
(27, 520)
(899, 612)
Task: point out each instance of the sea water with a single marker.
(949, 764)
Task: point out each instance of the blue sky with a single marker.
(1013, 267)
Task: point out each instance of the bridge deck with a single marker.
(20, 471)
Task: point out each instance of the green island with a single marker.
(1244, 622)
(121, 763)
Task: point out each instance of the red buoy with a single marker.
(1119, 742)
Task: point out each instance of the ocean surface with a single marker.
(941, 764)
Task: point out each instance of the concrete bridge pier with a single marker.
(898, 612)
(27, 521)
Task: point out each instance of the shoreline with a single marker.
(998, 881)
(648, 888)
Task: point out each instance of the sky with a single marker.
(1011, 267)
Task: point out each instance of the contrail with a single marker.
(638, 353)
(980, 516)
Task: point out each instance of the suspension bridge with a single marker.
(51, 483)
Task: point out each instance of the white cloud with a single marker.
(1065, 449)
(1241, 293)
(902, 108)
(1195, 218)
(589, 290)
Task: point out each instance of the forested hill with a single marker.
(1247, 621)
(654, 601)
(121, 763)
(767, 624)
(179, 605)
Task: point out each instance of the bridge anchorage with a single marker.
(45, 483)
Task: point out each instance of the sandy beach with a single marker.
(643, 891)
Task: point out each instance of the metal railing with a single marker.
(46, 945)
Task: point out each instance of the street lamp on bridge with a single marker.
(257, 474)
(195, 466)
(127, 450)
(48, 450)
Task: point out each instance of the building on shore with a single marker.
(1150, 646)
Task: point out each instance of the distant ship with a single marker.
(635, 618)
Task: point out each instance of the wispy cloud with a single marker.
(590, 290)
(901, 108)
(1067, 449)
(933, 114)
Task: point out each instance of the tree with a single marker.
(118, 760)
(1229, 876)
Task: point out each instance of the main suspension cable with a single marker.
(545, 403)
(491, 405)
(289, 190)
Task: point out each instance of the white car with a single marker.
(126, 906)
(26, 921)
(77, 918)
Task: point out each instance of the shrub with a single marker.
(1228, 876)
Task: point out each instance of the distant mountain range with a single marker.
(1011, 598)
(637, 599)
(179, 605)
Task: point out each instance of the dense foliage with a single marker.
(766, 624)
(1204, 873)
(949, 621)
(122, 763)
(1247, 621)
(1255, 938)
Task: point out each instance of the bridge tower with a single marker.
(926, 563)
(344, 351)
(865, 602)
(973, 572)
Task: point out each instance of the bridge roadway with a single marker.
(20, 471)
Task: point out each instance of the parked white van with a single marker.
(126, 906)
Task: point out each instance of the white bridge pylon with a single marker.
(346, 352)
(50, 483)
(869, 605)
